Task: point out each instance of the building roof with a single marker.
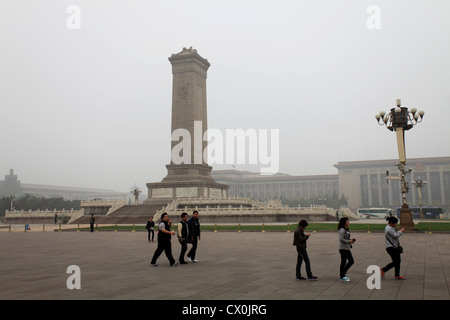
(253, 177)
(391, 162)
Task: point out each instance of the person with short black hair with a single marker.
(91, 222)
(393, 247)
(183, 236)
(194, 228)
(345, 244)
(151, 229)
(300, 242)
(164, 244)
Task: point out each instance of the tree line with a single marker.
(28, 201)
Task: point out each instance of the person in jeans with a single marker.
(345, 244)
(392, 243)
(300, 241)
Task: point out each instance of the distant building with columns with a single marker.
(11, 185)
(276, 187)
(363, 183)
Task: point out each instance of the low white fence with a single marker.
(17, 216)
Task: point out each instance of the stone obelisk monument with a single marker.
(191, 177)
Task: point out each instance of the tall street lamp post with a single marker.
(399, 120)
(135, 192)
(419, 185)
(12, 197)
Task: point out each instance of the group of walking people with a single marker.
(345, 244)
(188, 232)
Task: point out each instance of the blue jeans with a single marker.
(302, 255)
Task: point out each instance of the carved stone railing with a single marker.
(243, 206)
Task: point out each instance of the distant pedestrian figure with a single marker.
(91, 222)
(151, 229)
(194, 227)
(393, 247)
(56, 218)
(300, 241)
(345, 244)
(164, 244)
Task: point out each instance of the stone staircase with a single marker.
(214, 211)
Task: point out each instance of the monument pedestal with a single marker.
(188, 172)
(186, 181)
(406, 220)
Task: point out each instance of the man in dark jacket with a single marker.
(164, 235)
(91, 222)
(183, 236)
(194, 227)
(300, 241)
(151, 229)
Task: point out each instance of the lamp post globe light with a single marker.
(399, 120)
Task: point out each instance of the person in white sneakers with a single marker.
(194, 229)
(345, 244)
(183, 236)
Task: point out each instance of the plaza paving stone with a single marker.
(232, 266)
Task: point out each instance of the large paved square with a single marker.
(232, 265)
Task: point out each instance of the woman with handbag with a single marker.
(345, 244)
(393, 247)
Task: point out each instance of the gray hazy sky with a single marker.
(92, 107)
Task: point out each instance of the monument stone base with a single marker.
(406, 220)
(185, 181)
